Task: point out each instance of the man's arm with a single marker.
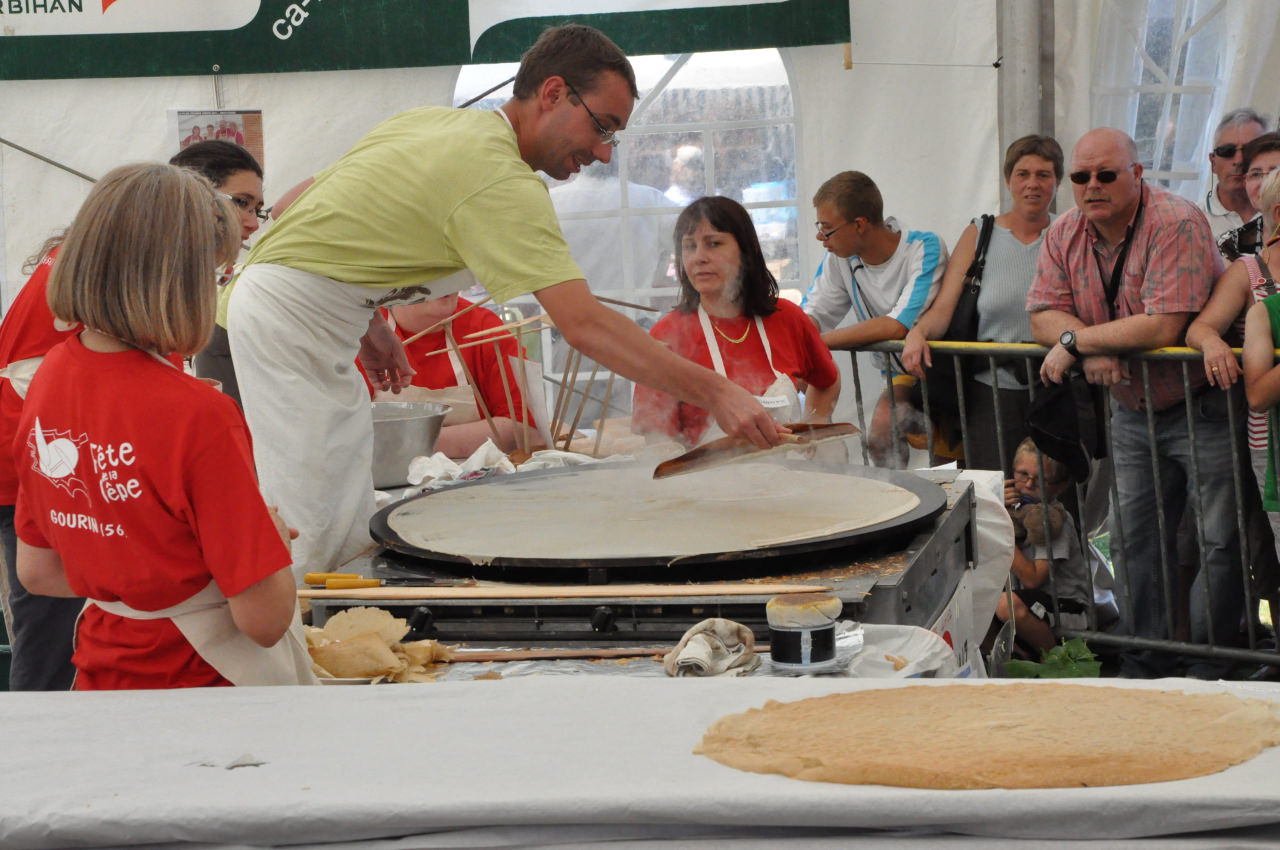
(827, 300)
(1101, 345)
(879, 329)
(924, 276)
(613, 340)
(1126, 335)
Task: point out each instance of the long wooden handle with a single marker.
(604, 591)
(447, 320)
(460, 655)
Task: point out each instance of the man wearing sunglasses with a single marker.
(1226, 203)
(1124, 272)
(1260, 157)
(428, 203)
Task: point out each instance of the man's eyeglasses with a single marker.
(609, 137)
(1227, 150)
(246, 206)
(1104, 175)
(1258, 173)
(826, 234)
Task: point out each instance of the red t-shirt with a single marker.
(146, 492)
(435, 372)
(798, 351)
(29, 330)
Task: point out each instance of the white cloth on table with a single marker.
(714, 647)
(540, 753)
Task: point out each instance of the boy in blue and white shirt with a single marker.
(882, 274)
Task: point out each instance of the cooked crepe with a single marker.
(623, 512)
(1048, 735)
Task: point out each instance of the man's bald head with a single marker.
(1106, 179)
(1101, 138)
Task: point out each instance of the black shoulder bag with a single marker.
(941, 376)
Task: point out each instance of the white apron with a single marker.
(205, 621)
(782, 388)
(294, 338)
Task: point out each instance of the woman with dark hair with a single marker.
(238, 177)
(729, 318)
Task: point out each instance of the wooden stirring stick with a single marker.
(581, 405)
(446, 320)
(617, 303)
(522, 381)
(475, 390)
(604, 413)
(541, 317)
(469, 345)
(566, 391)
(506, 386)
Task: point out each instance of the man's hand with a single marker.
(1105, 370)
(739, 415)
(1220, 365)
(382, 357)
(916, 356)
(1055, 365)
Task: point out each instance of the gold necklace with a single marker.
(729, 338)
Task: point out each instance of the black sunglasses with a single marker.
(1104, 175)
(1226, 151)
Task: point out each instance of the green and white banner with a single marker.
(58, 39)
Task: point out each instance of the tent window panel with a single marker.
(1161, 73)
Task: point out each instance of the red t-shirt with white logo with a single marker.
(28, 330)
(141, 479)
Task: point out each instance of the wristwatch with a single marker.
(1068, 341)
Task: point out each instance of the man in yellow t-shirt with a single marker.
(429, 201)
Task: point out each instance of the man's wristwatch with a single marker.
(1068, 341)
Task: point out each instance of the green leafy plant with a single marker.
(1071, 659)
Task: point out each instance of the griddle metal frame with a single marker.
(908, 585)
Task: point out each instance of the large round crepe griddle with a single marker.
(932, 502)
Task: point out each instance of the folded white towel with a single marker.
(714, 647)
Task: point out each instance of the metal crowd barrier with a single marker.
(1096, 633)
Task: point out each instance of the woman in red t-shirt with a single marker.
(40, 627)
(730, 319)
(136, 482)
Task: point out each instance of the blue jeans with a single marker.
(1220, 573)
(43, 626)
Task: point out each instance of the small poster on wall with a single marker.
(242, 126)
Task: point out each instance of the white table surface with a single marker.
(553, 761)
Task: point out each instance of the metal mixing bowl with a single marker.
(403, 430)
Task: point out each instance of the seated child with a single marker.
(443, 378)
(1037, 567)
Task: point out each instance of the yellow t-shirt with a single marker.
(426, 193)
